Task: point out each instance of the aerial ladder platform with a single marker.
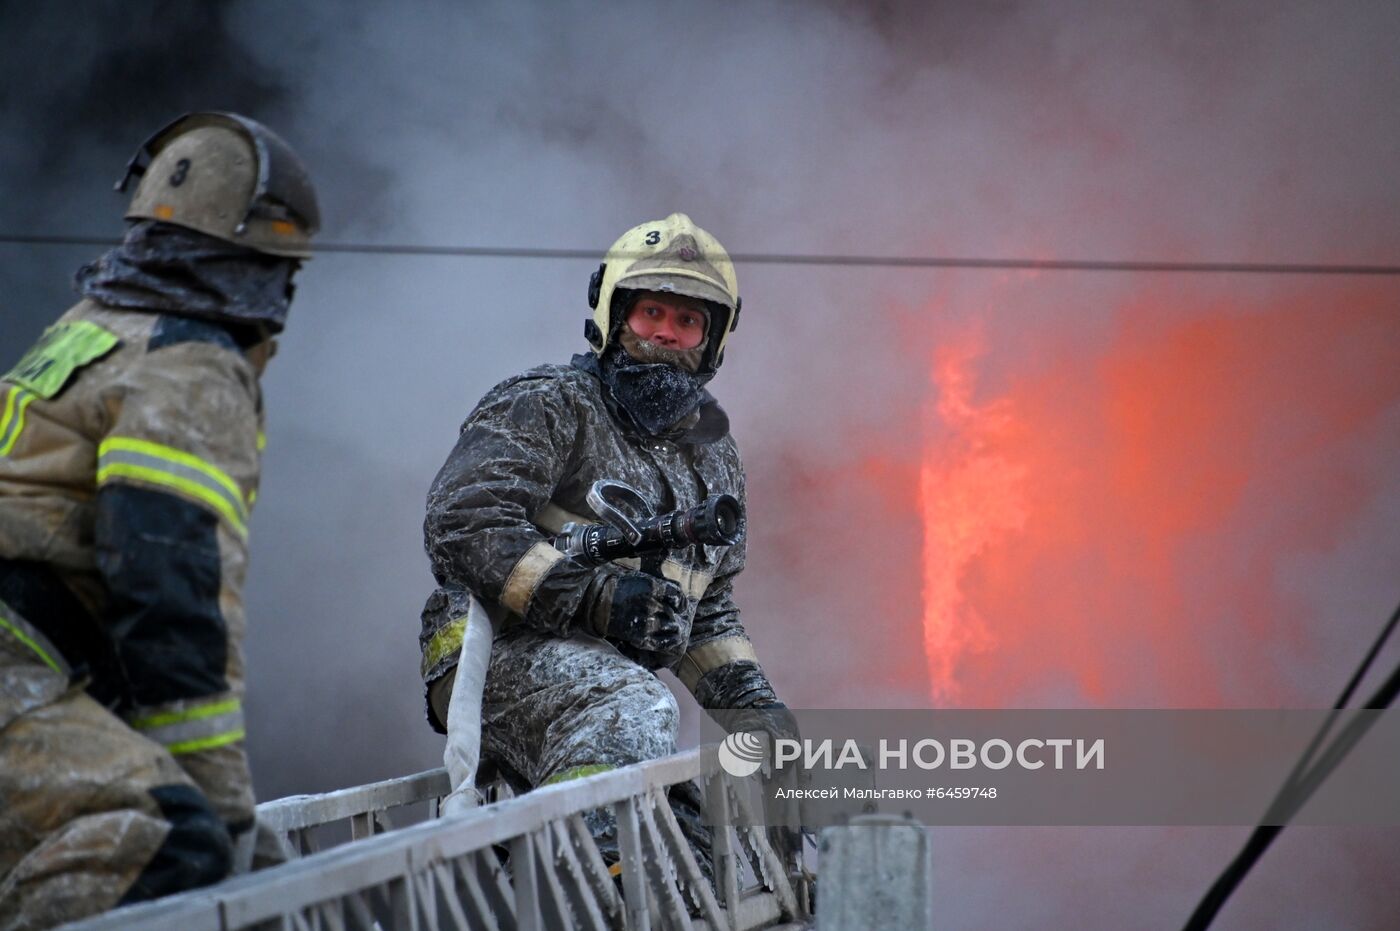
(522, 863)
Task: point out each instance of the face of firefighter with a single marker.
(668, 320)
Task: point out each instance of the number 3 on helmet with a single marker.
(671, 255)
(229, 177)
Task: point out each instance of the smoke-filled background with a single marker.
(968, 488)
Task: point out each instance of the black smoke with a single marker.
(1243, 131)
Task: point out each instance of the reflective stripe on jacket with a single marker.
(129, 460)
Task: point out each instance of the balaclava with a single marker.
(167, 268)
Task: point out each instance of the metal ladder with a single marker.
(450, 873)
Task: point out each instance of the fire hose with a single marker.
(628, 528)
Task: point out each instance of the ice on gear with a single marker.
(671, 255)
(180, 271)
(569, 690)
(522, 468)
(129, 465)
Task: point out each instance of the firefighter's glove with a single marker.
(772, 718)
(783, 812)
(644, 612)
(777, 720)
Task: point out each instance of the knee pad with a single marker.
(196, 852)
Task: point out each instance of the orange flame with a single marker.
(1121, 526)
(970, 495)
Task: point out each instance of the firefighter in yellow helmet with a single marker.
(130, 437)
(571, 688)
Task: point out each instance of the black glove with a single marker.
(772, 718)
(777, 720)
(643, 612)
(783, 816)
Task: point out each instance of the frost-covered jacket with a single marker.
(128, 466)
(522, 467)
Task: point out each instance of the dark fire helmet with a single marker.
(229, 177)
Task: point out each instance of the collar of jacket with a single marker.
(167, 269)
(710, 425)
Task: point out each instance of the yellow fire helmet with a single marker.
(671, 255)
(229, 177)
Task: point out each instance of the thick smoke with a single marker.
(81, 86)
(1240, 131)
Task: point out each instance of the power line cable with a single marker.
(1302, 781)
(793, 258)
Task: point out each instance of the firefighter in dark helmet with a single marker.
(130, 437)
(571, 688)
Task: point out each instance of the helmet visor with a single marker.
(678, 284)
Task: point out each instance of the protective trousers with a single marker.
(556, 709)
(92, 814)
